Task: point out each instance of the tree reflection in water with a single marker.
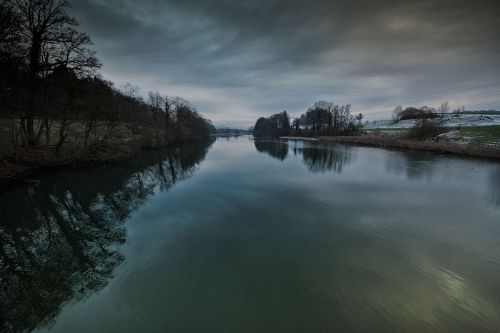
(318, 157)
(274, 148)
(326, 157)
(60, 240)
(416, 165)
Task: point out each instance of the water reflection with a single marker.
(323, 157)
(414, 164)
(277, 149)
(60, 240)
(494, 185)
(318, 157)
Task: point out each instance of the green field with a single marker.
(481, 134)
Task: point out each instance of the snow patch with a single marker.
(447, 121)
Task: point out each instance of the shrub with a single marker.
(425, 129)
(417, 113)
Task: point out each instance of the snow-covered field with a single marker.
(447, 121)
(464, 129)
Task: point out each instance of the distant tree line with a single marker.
(322, 119)
(411, 112)
(52, 97)
(272, 127)
(491, 112)
(232, 131)
(428, 120)
(426, 112)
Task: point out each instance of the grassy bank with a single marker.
(387, 141)
(103, 142)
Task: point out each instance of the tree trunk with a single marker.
(34, 68)
(30, 123)
(40, 131)
(48, 125)
(62, 136)
(88, 128)
(22, 128)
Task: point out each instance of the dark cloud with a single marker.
(237, 60)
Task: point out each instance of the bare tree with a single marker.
(130, 92)
(51, 41)
(396, 114)
(156, 103)
(10, 32)
(169, 113)
(444, 108)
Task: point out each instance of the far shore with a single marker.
(299, 138)
(386, 141)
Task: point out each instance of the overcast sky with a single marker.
(239, 60)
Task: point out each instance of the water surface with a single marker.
(256, 236)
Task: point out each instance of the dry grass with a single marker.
(438, 147)
(107, 143)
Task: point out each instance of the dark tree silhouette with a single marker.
(56, 109)
(411, 112)
(51, 41)
(323, 118)
(275, 126)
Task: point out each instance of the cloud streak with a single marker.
(238, 60)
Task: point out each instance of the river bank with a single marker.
(386, 141)
(25, 164)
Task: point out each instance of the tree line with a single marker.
(324, 118)
(52, 97)
(428, 120)
(426, 112)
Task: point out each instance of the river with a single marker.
(237, 235)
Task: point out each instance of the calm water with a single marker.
(244, 236)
